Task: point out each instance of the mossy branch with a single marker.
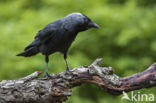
(56, 89)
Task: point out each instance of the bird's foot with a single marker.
(47, 75)
(68, 71)
(67, 74)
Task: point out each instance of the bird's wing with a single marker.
(45, 35)
(49, 33)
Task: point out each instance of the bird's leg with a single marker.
(67, 69)
(47, 75)
(67, 66)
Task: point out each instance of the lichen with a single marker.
(106, 73)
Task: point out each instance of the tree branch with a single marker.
(57, 88)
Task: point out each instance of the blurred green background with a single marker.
(126, 40)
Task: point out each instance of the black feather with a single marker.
(58, 35)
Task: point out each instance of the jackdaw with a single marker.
(58, 36)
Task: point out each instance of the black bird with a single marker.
(58, 36)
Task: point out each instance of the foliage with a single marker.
(126, 39)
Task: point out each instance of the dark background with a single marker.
(126, 39)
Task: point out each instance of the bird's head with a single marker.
(79, 22)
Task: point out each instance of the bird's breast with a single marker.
(66, 43)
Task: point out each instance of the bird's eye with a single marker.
(86, 20)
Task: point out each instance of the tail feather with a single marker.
(31, 49)
(29, 52)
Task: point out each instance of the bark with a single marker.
(56, 89)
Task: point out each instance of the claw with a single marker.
(47, 75)
(68, 71)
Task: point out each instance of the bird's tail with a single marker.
(31, 49)
(29, 52)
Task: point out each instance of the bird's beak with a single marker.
(94, 25)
